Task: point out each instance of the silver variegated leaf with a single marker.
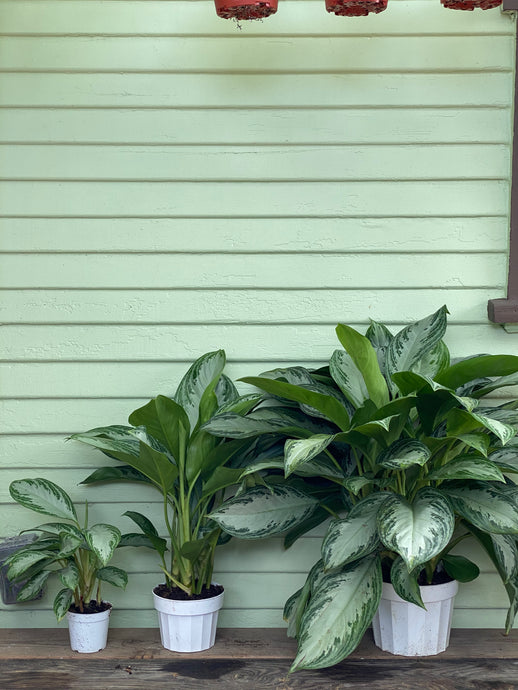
(204, 372)
(348, 378)
(68, 544)
(419, 530)
(300, 452)
(103, 540)
(506, 458)
(355, 536)
(404, 453)
(69, 576)
(484, 505)
(264, 511)
(405, 582)
(115, 576)
(62, 603)
(415, 342)
(341, 608)
(43, 496)
(289, 613)
(468, 467)
(506, 552)
(22, 560)
(32, 587)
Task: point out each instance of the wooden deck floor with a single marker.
(249, 659)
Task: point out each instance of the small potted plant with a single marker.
(355, 8)
(77, 554)
(425, 464)
(166, 447)
(245, 9)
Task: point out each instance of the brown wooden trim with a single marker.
(506, 310)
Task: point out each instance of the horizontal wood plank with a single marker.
(186, 18)
(60, 306)
(258, 127)
(234, 235)
(186, 163)
(258, 90)
(211, 54)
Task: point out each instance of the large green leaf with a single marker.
(478, 367)
(380, 338)
(103, 540)
(33, 586)
(264, 511)
(156, 466)
(364, 357)
(298, 453)
(43, 496)
(149, 531)
(405, 582)
(202, 375)
(483, 505)
(326, 404)
(23, 560)
(124, 473)
(463, 421)
(404, 453)
(468, 467)
(115, 576)
(460, 568)
(262, 421)
(414, 342)
(341, 608)
(354, 536)
(69, 576)
(419, 530)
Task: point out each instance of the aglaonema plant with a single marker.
(68, 549)
(431, 465)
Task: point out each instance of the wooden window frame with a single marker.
(505, 310)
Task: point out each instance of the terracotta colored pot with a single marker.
(471, 4)
(355, 8)
(245, 9)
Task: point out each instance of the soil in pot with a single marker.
(470, 5)
(355, 8)
(91, 607)
(178, 594)
(243, 10)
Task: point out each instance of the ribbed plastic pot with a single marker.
(245, 9)
(408, 630)
(188, 626)
(88, 631)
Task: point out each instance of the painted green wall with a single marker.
(170, 184)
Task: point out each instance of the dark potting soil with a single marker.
(92, 607)
(167, 592)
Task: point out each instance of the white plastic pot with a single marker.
(88, 631)
(403, 628)
(188, 626)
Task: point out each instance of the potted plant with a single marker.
(426, 470)
(355, 8)
(245, 9)
(166, 447)
(76, 553)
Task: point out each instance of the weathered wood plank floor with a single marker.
(250, 659)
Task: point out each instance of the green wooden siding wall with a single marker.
(170, 184)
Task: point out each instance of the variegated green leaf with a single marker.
(264, 511)
(43, 496)
(58, 528)
(341, 608)
(68, 544)
(262, 421)
(468, 467)
(404, 453)
(501, 382)
(419, 530)
(434, 361)
(380, 338)
(405, 582)
(480, 366)
(103, 540)
(463, 421)
(364, 357)
(506, 552)
(414, 342)
(478, 441)
(33, 586)
(348, 378)
(506, 458)
(289, 613)
(300, 452)
(298, 376)
(69, 576)
(115, 576)
(62, 603)
(483, 505)
(355, 536)
(22, 560)
(202, 375)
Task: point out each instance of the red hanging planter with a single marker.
(245, 9)
(471, 4)
(355, 8)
